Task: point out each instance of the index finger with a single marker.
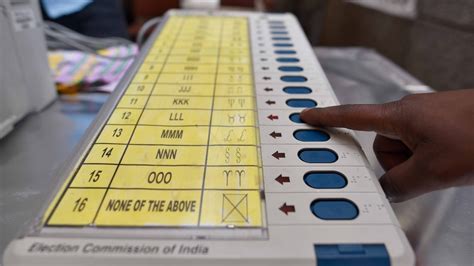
(382, 118)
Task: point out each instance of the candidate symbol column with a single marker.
(233, 177)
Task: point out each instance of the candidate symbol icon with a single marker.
(235, 208)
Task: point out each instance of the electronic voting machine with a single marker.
(200, 158)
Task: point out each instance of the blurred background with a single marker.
(431, 39)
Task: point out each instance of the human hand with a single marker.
(425, 142)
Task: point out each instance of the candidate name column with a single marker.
(233, 176)
(161, 172)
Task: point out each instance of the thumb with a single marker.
(404, 181)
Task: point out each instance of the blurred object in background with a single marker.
(25, 79)
(88, 39)
(76, 71)
(404, 9)
(97, 18)
(222, 4)
(61, 37)
(200, 4)
(431, 39)
(57, 8)
(240, 4)
(139, 11)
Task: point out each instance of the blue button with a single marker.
(334, 209)
(325, 180)
(297, 90)
(281, 38)
(309, 135)
(279, 32)
(280, 44)
(350, 249)
(300, 103)
(293, 78)
(290, 68)
(317, 155)
(287, 60)
(295, 117)
(285, 52)
(352, 255)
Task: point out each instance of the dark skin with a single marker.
(425, 142)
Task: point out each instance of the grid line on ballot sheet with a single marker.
(181, 146)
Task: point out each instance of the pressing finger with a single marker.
(382, 118)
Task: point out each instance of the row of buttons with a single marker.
(326, 209)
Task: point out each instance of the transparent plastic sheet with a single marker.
(364, 76)
(439, 225)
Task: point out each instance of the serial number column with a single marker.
(233, 176)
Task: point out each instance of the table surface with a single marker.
(440, 225)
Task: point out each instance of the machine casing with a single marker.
(286, 238)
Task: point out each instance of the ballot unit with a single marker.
(200, 157)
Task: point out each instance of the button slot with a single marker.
(279, 32)
(317, 155)
(283, 44)
(276, 22)
(309, 135)
(285, 52)
(287, 60)
(300, 103)
(293, 78)
(281, 38)
(334, 209)
(290, 68)
(297, 90)
(295, 117)
(278, 27)
(325, 180)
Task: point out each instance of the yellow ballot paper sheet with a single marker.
(181, 146)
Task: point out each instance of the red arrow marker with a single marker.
(279, 155)
(282, 179)
(275, 134)
(272, 117)
(287, 208)
(270, 102)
